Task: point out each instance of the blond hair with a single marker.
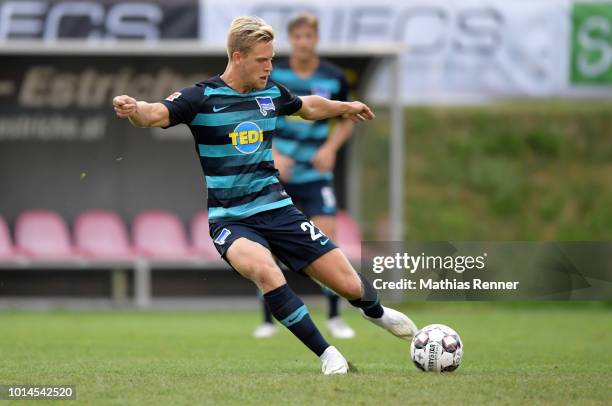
(245, 32)
(308, 19)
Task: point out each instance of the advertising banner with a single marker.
(456, 52)
(591, 58)
(55, 20)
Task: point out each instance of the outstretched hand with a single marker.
(358, 111)
(124, 106)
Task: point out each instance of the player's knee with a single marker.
(266, 273)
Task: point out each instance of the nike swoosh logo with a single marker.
(217, 109)
(324, 242)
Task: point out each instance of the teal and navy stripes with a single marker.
(270, 91)
(229, 151)
(300, 139)
(234, 118)
(258, 205)
(247, 180)
(223, 197)
(233, 137)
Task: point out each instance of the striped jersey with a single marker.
(233, 137)
(297, 138)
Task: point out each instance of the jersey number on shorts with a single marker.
(314, 233)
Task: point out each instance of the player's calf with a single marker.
(334, 271)
(291, 312)
(349, 286)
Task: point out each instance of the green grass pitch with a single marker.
(513, 355)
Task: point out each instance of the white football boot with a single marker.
(339, 329)
(332, 362)
(265, 330)
(395, 322)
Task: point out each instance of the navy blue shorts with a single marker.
(313, 198)
(286, 232)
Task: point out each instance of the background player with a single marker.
(305, 151)
(232, 118)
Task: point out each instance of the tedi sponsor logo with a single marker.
(247, 137)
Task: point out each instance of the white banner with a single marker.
(458, 51)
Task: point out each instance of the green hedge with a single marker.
(520, 171)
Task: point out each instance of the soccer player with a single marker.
(232, 117)
(305, 151)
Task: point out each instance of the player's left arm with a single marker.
(320, 108)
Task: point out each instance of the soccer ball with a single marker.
(436, 348)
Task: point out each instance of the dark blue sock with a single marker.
(370, 301)
(332, 299)
(291, 312)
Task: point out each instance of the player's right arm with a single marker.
(141, 113)
(179, 108)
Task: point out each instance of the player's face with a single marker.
(303, 40)
(256, 66)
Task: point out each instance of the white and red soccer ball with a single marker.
(436, 348)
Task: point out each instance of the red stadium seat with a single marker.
(102, 234)
(348, 236)
(43, 234)
(6, 246)
(201, 242)
(160, 234)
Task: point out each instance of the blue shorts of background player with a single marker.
(315, 198)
